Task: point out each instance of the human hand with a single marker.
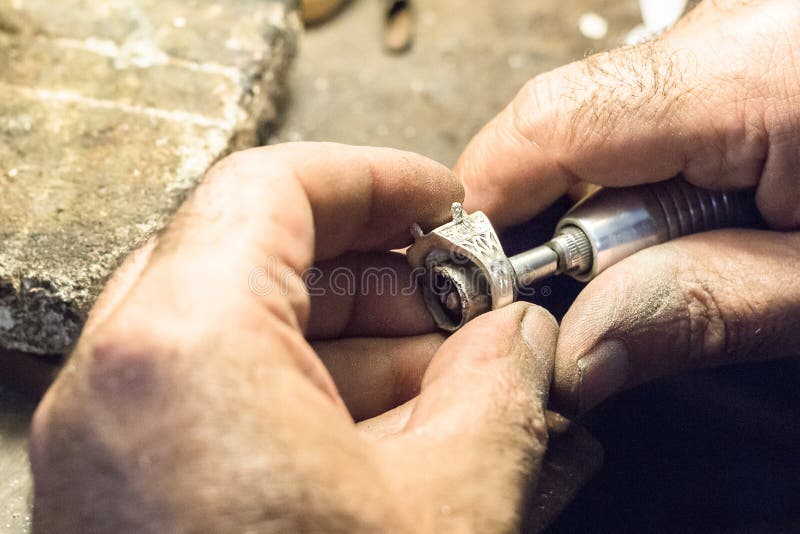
(194, 403)
(717, 99)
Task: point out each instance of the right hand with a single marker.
(717, 99)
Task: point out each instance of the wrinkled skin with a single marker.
(193, 404)
(717, 98)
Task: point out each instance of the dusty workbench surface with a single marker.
(109, 114)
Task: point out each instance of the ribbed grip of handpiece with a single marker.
(618, 222)
(688, 209)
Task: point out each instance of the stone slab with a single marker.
(110, 112)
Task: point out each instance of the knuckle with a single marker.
(95, 413)
(533, 103)
(705, 328)
(534, 425)
(540, 118)
(527, 424)
(109, 370)
(122, 364)
(518, 411)
(121, 369)
(715, 331)
(231, 165)
(480, 191)
(249, 165)
(677, 302)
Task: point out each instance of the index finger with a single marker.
(575, 124)
(338, 197)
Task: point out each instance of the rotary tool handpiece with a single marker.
(469, 274)
(612, 224)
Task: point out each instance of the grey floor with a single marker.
(15, 412)
(466, 64)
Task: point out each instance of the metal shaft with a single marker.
(535, 264)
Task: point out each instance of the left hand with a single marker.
(195, 403)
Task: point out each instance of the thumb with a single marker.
(648, 112)
(477, 430)
(708, 299)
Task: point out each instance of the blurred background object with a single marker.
(399, 26)
(467, 61)
(317, 11)
(657, 16)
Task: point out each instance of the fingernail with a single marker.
(602, 371)
(531, 326)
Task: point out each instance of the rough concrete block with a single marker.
(110, 112)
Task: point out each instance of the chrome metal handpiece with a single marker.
(468, 273)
